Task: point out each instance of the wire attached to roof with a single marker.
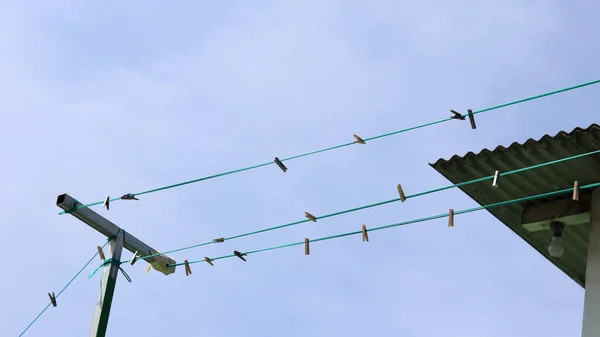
(403, 197)
(429, 218)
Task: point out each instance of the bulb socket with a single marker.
(557, 228)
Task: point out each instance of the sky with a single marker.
(109, 97)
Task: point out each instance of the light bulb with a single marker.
(556, 248)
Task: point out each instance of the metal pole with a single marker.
(118, 241)
(591, 306)
(107, 287)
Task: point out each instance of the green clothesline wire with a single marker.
(433, 217)
(340, 146)
(380, 203)
(62, 290)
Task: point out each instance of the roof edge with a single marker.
(517, 144)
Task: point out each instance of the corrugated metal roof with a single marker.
(586, 170)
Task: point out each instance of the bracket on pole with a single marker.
(119, 239)
(160, 263)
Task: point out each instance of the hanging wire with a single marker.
(63, 289)
(553, 162)
(429, 218)
(335, 147)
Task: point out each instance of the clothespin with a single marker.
(365, 235)
(456, 115)
(472, 119)
(148, 268)
(240, 255)
(401, 192)
(219, 240)
(129, 196)
(101, 253)
(106, 203)
(451, 218)
(134, 258)
(188, 270)
(280, 164)
(576, 191)
(496, 176)
(359, 140)
(52, 298)
(310, 217)
(209, 261)
(306, 246)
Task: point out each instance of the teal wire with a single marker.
(381, 203)
(62, 290)
(538, 96)
(103, 264)
(429, 218)
(340, 146)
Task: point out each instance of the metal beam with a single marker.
(549, 210)
(107, 287)
(591, 306)
(161, 263)
(537, 217)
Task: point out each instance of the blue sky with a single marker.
(121, 96)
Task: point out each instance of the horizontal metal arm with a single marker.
(161, 263)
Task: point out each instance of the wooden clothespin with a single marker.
(456, 115)
(451, 218)
(52, 298)
(306, 246)
(365, 235)
(188, 270)
(496, 176)
(280, 164)
(209, 261)
(310, 217)
(129, 196)
(106, 202)
(359, 140)
(134, 258)
(101, 253)
(219, 240)
(576, 191)
(401, 192)
(240, 255)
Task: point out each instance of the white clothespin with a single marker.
(134, 258)
(106, 202)
(495, 182)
